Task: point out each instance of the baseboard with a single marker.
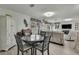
(2, 50)
(11, 47)
(70, 40)
(56, 43)
(8, 49)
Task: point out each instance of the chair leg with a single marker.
(17, 51)
(22, 53)
(35, 52)
(42, 52)
(31, 51)
(48, 51)
(26, 52)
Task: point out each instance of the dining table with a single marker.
(33, 41)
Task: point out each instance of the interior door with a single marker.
(10, 31)
(13, 31)
(2, 32)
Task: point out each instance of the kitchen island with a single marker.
(57, 37)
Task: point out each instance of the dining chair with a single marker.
(44, 45)
(42, 33)
(20, 47)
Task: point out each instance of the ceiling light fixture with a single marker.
(49, 14)
(69, 19)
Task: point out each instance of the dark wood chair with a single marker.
(44, 45)
(42, 33)
(20, 47)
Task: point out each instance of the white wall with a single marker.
(18, 17)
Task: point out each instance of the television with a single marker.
(67, 26)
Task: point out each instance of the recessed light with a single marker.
(49, 14)
(69, 19)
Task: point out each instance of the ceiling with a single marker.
(61, 10)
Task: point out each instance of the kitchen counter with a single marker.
(57, 37)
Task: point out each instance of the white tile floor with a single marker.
(67, 49)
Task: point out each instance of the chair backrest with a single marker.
(19, 42)
(42, 33)
(47, 38)
(19, 34)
